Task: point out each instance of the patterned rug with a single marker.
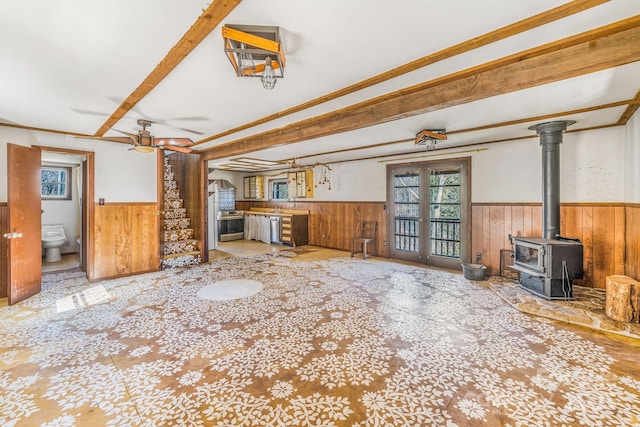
(334, 342)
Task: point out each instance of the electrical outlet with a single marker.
(385, 243)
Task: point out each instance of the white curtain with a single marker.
(257, 227)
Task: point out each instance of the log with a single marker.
(623, 299)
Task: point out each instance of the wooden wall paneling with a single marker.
(4, 250)
(536, 221)
(571, 221)
(610, 233)
(603, 245)
(476, 231)
(333, 224)
(122, 238)
(632, 241)
(497, 230)
(508, 225)
(619, 240)
(126, 239)
(517, 221)
(145, 239)
(486, 236)
(587, 242)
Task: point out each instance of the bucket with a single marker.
(473, 271)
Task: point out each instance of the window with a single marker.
(279, 189)
(55, 183)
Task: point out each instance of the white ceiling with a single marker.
(68, 65)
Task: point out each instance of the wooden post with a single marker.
(623, 299)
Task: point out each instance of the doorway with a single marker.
(429, 205)
(61, 191)
(73, 211)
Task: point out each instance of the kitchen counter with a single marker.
(294, 229)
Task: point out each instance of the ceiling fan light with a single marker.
(268, 77)
(143, 148)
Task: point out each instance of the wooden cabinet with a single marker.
(295, 230)
(253, 187)
(300, 184)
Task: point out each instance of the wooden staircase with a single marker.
(179, 248)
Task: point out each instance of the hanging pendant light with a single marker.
(246, 64)
(268, 78)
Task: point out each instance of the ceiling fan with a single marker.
(144, 142)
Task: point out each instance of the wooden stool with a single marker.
(623, 299)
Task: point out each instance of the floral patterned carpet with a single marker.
(330, 342)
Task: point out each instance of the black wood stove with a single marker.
(549, 264)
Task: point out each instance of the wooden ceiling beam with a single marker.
(210, 19)
(502, 33)
(606, 47)
(630, 110)
(474, 129)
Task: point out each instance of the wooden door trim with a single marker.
(160, 204)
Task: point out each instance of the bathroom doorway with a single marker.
(65, 209)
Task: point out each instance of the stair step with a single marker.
(175, 213)
(170, 185)
(170, 256)
(176, 224)
(171, 194)
(181, 260)
(173, 204)
(176, 235)
(180, 247)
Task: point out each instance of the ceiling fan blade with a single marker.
(197, 132)
(123, 139)
(176, 148)
(180, 142)
(133, 136)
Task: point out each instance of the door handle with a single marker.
(10, 236)
(420, 220)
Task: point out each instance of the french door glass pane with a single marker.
(444, 218)
(407, 212)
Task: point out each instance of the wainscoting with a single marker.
(632, 240)
(600, 227)
(126, 236)
(333, 224)
(610, 232)
(126, 239)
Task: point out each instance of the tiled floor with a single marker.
(331, 340)
(67, 262)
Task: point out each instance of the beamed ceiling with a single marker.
(362, 77)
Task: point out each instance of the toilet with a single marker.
(53, 238)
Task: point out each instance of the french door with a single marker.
(429, 212)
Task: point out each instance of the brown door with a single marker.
(24, 231)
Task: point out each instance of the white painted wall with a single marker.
(597, 166)
(65, 212)
(510, 172)
(632, 159)
(120, 175)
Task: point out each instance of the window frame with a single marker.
(278, 181)
(67, 183)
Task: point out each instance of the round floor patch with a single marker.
(230, 289)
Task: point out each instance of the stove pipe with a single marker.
(550, 139)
